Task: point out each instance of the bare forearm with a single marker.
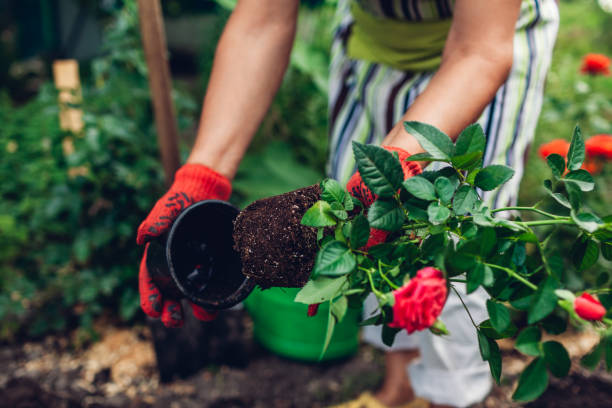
(455, 97)
(476, 61)
(249, 65)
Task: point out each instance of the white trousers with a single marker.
(450, 369)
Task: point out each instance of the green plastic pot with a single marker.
(283, 327)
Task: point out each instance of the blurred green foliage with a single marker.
(71, 203)
(571, 97)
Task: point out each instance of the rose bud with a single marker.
(420, 301)
(589, 308)
(313, 309)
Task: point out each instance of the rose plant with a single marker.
(441, 233)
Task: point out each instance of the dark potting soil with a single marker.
(275, 248)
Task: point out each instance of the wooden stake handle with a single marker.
(156, 53)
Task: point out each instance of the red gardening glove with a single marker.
(192, 183)
(360, 191)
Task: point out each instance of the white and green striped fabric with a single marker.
(367, 99)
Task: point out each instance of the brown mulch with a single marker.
(119, 371)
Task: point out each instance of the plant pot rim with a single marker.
(239, 294)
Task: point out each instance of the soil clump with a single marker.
(275, 248)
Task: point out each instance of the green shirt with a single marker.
(403, 45)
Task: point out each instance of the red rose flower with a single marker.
(599, 146)
(595, 64)
(559, 146)
(589, 308)
(419, 302)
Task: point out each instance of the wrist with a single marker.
(219, 163)
(203, 182)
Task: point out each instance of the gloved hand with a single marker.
(357, 188)
(192, 183)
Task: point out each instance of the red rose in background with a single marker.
(589, 308)
(559, 146)
(599, 146)
(420, 301)
(598, 149)
(595, 64)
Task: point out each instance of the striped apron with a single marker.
(367, 99)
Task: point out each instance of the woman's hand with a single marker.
(192, 183)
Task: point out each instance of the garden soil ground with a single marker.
(119, 371)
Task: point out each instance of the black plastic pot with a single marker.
(197, 261)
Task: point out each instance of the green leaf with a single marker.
(426, 157)
(81, 249)
(334, 259)
(471, 140)
(581, 178)
(499, 315)
(339, 211)
(360, 231)
(519, 254)
(434, 141)
(533, 381)
(556, 163)
(608, 357)
(575, 195)
(560, 198)
(523, 303)
(339, 307)
(576, 154)
(386, 215)
(467, 161)
(388, 335)
(545, 301)
(489, 278)
(445, 189)
(472, 176)
(374, 320)
(587, 221)
(528, 341)
(379, 169)
(488, 240)
(584, 253)
(554, 324)
(565, 294)
(484, 346)
(490, 332)
(606, 249)
(491, 177)
(332, 191)
(420, 187)
(320, 289)
(464, 200)
(437, 213)
(557, 359)
(331, 324)
(475, 278)
(416, 213)
(592, 359)
(319, 215)
(495, 361)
